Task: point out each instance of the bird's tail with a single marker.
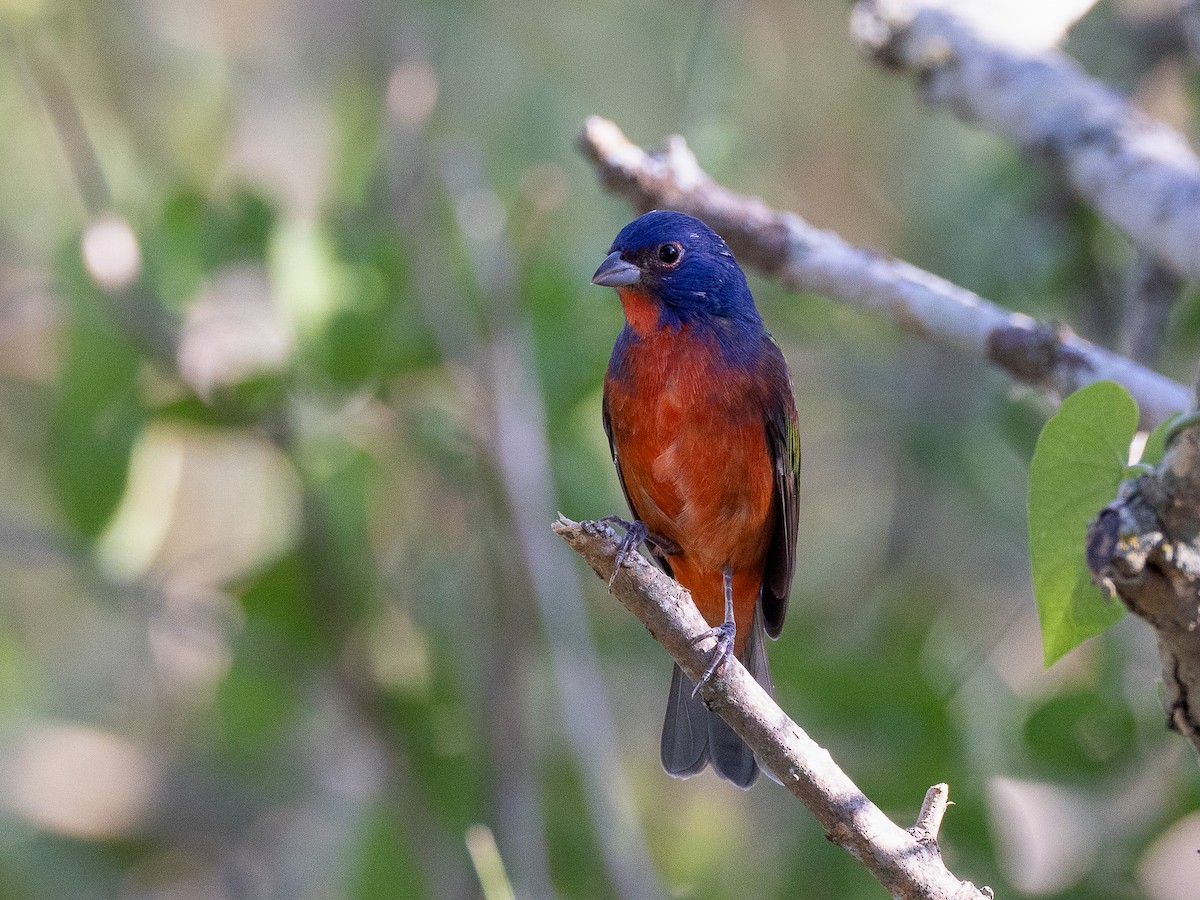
(693, 736)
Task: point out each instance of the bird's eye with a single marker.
(668, 254)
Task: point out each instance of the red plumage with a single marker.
(688, 433)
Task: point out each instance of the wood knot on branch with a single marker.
(1032, 351)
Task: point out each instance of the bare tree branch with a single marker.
(132, 306)
(1143, 177)
(908, 864)
(46, 80)
(805, 258)
(1139, 174)
(1145, 546)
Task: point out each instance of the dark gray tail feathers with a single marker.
(692, 736)
(685, 730)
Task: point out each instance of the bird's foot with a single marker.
(724, 633)
(635, 533)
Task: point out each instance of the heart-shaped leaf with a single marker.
(1079, 460)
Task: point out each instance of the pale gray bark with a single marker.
(1138, 173)
(906, 862)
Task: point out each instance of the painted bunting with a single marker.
(701, 422)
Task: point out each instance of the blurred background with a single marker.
(299, 358)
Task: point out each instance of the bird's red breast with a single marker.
(689, 438)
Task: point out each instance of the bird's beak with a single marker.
(615, 272)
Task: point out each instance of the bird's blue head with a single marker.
(671, 269)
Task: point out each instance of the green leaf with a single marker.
(256, 707)
(1078, 462)
(377, 331)
(97, 411)
(196, 235)
(386, 867)
(281, 606)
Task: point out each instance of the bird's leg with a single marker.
(724, 633)
(636, 532)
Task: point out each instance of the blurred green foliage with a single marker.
(269, 608)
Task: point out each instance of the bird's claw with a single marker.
(635, 533)
(724, 634)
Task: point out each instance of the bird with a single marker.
(700, 415)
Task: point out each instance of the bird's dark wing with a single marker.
(607, 419)
(783, 442)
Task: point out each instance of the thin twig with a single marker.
(1143, 177)
(933, 809)
(906, 866)
(805, 258)
(45, 77)
(135, 309)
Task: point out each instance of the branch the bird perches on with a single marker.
(906, 862)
